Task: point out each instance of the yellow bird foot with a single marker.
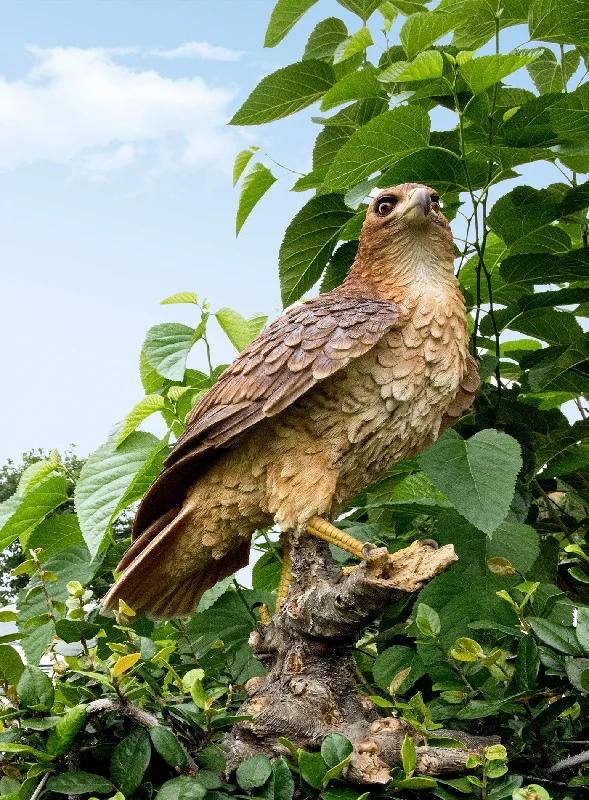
(322, 529)
(286, 576)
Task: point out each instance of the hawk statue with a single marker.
(314, 410)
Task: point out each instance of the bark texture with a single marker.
(310, 690)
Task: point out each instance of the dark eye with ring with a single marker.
(435, 198)
(385, 206)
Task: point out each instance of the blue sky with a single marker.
(116, 192)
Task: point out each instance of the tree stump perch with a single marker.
(310, 690)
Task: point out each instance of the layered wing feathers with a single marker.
(304, 346)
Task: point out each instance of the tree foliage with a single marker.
(498, 644)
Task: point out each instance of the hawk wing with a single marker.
(304, 346)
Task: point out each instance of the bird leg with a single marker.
(321, 529)
(286, 576)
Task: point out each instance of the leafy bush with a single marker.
(498, 644)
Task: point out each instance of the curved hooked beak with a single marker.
(418, 204)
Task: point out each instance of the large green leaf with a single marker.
(379, 144)
(356, 43)
(354, 86)
(546, 71)
(363, 8)
(56, 533)
(426, 66)
(140, 412)
(166, 348)
(421, 30)
(564, 23)
(523, 210)
(242, 159)
(240, 331)
(32, 510)
(104, 480)
(75, 782)
(286, 91)
(11, 665)
(255, 185)
(477, 475)
(467, 591)
(543, 268)
(435, 166)
(481, 73)
(308, 243)
(285, 15)
(324, 39)
(35, 689)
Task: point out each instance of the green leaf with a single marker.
(11, 665)
(477, 476)
(408, 755)
(182, 788)
(481, 73)
(240, 331)
(523, 210)
(426, 66)
(428, 620)
(255, 185)
(434, 165)
(543, 268)
(285, 15)
(556, 636)
(357, 85)
(166, 348)
(253, 772)
(141, 411)
(335, 748)
(151, 380)
(266, 572)
(379, 144)
(339, 266)
(357, 43)
(214, 593)
(129, 760)
(308, 243)
(32, 510)
(182, 297)
(313, 768)
(36, 472)
(168, 746)
(546, 71)
(550, 21)
(71, 630)
(582, 629)
(286, 91)
(394, 660)
(242, 159)
(527, 664)
(466, 649)
(421, 30)
(54, 534)
(577, 670)
(324, 39)
(105, 478)
(61, 739)
(14, 747)
(35, 689)
(363, 8)
(281, 783)
(531, 790)
(76, 782)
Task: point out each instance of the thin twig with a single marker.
(41, 786)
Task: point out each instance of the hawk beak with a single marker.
(418, 204)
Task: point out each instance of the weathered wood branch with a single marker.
(310, 690)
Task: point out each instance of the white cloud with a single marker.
(203, 50)
(82, 108)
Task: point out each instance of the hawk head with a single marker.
(404, 224)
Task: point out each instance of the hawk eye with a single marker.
(385, 206)
(435, 198)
